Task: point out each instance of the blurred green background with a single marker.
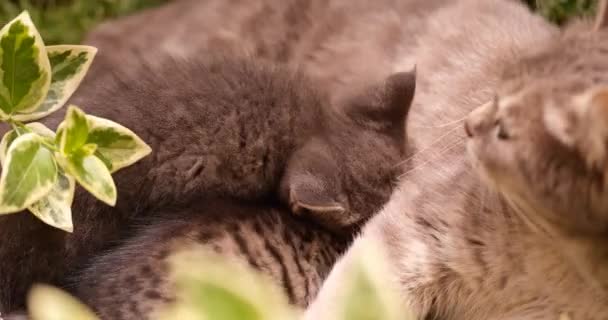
(559, 11)
(66, 21)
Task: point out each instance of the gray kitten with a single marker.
(230, 128)
(513, 224)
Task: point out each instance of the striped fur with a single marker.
(133, 281)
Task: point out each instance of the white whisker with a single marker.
(439, 154)
(458, 121)
(439, 139)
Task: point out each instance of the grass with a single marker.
(560, 11)
(67, 21)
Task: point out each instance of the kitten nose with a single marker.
(479, 120)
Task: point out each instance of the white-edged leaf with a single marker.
(73, 131)
(55, 208)
(117, 146)
(92, 174)
(69, 64)
(10, 136)
(49, 303)
(25, 71)
(28, 175)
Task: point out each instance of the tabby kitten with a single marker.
(519, 228)
(133, 281)
(230, 128)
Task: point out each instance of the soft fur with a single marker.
(134, 280)
(218, 127)
(517, 228)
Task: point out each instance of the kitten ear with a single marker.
(383, 106)
(309, 194)
(594, 133)
(562, 124)
(398, 93)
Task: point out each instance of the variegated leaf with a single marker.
(73, 131)
(117, 146)
(92, 174)
(69, 64)
(25, 71)
(10, 136)
(29, 173)
(55, 208)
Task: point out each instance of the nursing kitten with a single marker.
(230, 128)
(519, 228)
(133, 280)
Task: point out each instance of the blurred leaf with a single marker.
(49, 303)
(212, 287)
(368, 292)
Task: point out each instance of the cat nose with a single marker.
(479, 120)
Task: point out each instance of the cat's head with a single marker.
(344, 174)
(545, 147)
(543, 141)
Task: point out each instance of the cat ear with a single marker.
(308, 193)
(594, 133)
(398, 93)
(384, 105)
(562, 124)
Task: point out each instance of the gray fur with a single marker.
(219, 127)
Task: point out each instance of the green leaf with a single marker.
(55, 208)
(10, 136)
(369, 293)
(117, 146)
(69, 64)
(28, 175)
(49, 303)
(25, 71)
(73, 131)
(211, 286)
(220, 303)
(92, 174)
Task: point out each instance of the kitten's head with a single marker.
(345, 173)
(545, 147)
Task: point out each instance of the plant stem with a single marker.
(18, 125)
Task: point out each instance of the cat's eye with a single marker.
(501, 132)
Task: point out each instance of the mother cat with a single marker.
(518, 229)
